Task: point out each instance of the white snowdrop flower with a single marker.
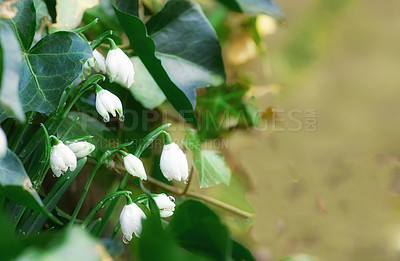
(131, 221)
(62, 158)
(119, 67)
(135, 166)
(82, 148)
(107, 102)
(3, 143)
(97, 62)
(173, 161)
(165, 204)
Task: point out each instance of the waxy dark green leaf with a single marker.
(49, 67)
(16, 185)
(254, 7)
(187, 46)
(10, 61)
(144, 47)
(199, 230)
(184, 56)
(24, 23)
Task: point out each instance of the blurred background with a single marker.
(323, 169)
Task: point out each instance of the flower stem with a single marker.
(101, 204)
(83, 196)
(112, 205)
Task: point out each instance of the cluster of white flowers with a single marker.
(132, 216)
(3, 143)
(116, 65)
(63, 157)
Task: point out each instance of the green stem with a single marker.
(83, 196)
(85, 27)
(101, 204)
(113, 204)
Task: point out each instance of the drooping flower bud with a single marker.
(173, 161)
(62, 158)
(131, 221)
(3, 143)
(82, 148)
(135, 166)
(165, 204)
(107, 102)
(96, 63)
(119, 67)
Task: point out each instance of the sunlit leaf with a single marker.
(10, 59)
(199, 230)
(16, 185)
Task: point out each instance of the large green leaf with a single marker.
(10, 61)
(145, 89)
(75, 245)
(177, 71)
(198, 229)
(187, 46)
(25, 22)
(254, 7)
(41, 11)
(212, 168)
(36, 221)
(156, 244)
(16, 185)
(49, 67)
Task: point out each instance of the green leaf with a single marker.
(254, 7)
(145, 89)
(156, 244)
(212, 168)
(192, 141)
(144, 47)
(210, 164)
(187, 46)
(49, 67)
(199, 230)
(24, 22)
(73, 245)
(41, 11)
(36, 221)
(10, 59)
(70, 13)
(240, 253)
(16, 185)
(10, 247)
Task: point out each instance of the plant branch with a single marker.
(205, 198)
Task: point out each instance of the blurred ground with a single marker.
(333, 192)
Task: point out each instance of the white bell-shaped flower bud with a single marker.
(107, 102)
(96, 63)
(135, 166)
(120, 68)
(173, 162)
(3, 143)
(62, 158)
(166, 204)
(82, 148)
(131, 221)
